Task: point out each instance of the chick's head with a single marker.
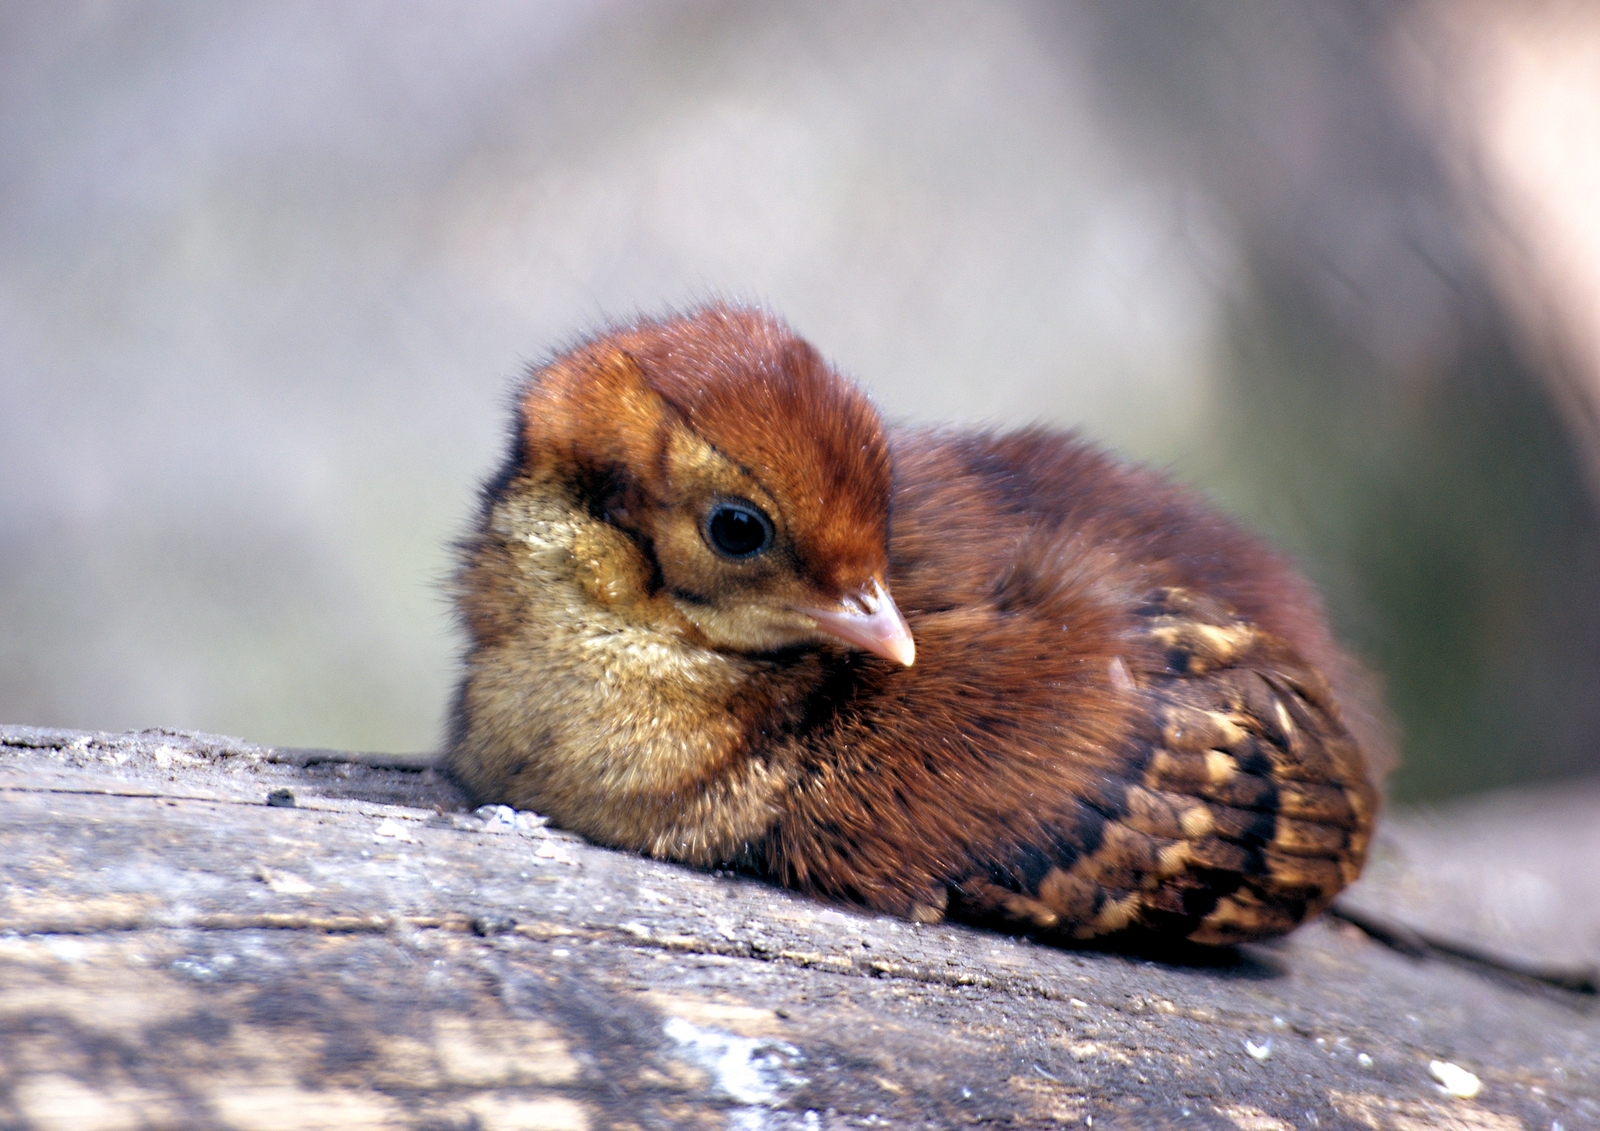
(751, 481)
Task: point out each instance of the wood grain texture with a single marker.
(175, 952)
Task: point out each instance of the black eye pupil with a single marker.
(738, 531)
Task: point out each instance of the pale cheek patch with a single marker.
(597, 710)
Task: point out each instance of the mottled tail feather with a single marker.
(1245, 805)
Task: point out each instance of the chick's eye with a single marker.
(738, 530)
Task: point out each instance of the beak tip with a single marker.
(874, 626)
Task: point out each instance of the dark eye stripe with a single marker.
(738, 530)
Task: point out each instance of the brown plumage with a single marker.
(684, 598)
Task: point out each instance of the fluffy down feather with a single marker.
(719, 614)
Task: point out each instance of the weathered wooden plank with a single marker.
(175, 952)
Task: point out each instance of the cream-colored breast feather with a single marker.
(597, 708)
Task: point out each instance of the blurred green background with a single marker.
(267, 272)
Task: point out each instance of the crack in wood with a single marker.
(1421, 945)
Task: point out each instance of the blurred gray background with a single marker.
(267, 273)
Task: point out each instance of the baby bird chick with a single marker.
(718, 614)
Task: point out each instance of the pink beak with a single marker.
(870, 621)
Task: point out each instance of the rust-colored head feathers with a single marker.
(668, 427)
(683, 597)
(733, 375)
(728, 376)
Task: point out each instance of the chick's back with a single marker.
(1127, 713)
